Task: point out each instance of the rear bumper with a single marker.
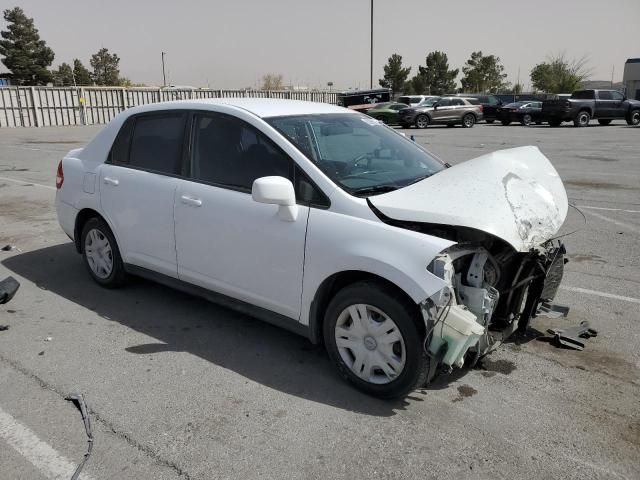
(66, 217)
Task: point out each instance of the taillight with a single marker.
(481, 108)
(59, 176)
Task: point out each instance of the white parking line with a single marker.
(23, 182)
(40, 454)
(608, 209)
(616, 222)
(600, 294)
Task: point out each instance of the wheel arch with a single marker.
(334, 283)
(82, 218)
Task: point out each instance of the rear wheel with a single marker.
(101, 254)
(422, 121)
(469, 120)
(526, 119)
(634, 118)
(604, 121)
(372, 337)
(582, 119)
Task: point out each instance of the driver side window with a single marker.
(229, 152)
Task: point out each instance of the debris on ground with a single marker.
(78, 401)
(8, 248)
(573, 337)
(4, 327)
(48, 339)
(8, 288)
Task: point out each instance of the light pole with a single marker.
(371, 63)
(164, 77)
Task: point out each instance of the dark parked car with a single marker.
(490, 104)
(525, 112)
(387, 112)
(443, 110)
(603, 105)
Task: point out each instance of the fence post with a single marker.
(125, 104)
(83, 106)
(159, 95)
(36, 120)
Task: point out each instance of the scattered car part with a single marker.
(572, 337)
(4, 328)
(78, 400)
(552, 310)
(7, 248)
(8, 288)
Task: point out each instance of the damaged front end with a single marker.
(491, 292)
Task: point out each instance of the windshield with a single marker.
(359, 153)
(429, 102)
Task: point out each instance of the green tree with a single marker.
(439, 79)
(395, 76)
(82, 74)
(63, 76)
(483, 73)
(559, 74)
(418, 84)
(106, 69)
(25, 54)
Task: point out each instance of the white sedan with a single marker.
(325, 222)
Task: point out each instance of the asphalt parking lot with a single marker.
(181, 388)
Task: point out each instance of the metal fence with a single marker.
(57, 106)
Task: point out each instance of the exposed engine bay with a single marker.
(489, 285)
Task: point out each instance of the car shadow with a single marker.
(180, 322)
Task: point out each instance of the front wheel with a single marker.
(526, 119)
(422, 121)
(469, 120)
(634, 118)
(583, 119)
(101, 254)
(372, 337)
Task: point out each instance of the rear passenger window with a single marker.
(157, 141)
(605, 95)
(229, 151)
(120, 149)
(457, 102)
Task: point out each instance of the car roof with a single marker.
(261, 107)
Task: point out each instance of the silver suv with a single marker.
(445, 110)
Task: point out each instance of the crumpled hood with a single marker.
(514, 194)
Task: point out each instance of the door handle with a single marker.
(111, 181)
(194, 202)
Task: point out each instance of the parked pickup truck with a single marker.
(583, 105)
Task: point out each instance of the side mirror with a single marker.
(276, 191)
(435, 106)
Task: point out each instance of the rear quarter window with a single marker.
(156, 142)
(120, 149)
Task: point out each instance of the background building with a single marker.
(631, 78)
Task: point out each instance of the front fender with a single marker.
(338, 243)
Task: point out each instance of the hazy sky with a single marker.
(231, 44)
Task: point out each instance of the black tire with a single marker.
(490, 120)
(403, 314)
(604, 121)
(118, 276)
(506, 122)
(526, 119)
(554, 122)
(422, 121)
(468, 120)
(582, 119)
(633, 118)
